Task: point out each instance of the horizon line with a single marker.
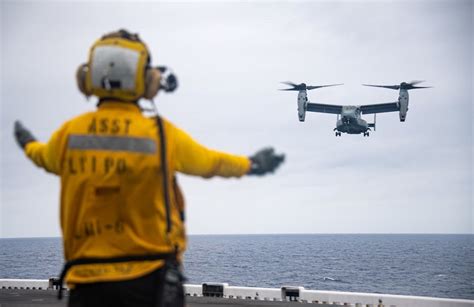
(286, 234)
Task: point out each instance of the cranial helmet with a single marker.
(119, 68)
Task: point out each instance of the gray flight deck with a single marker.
(38, 292)
(22, 297)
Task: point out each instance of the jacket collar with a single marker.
(119, 105)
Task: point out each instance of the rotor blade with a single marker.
(288, 89)
(312, 87)
(289, 83)
(411, 85)
(416, 87)
(393, 87)
(294, 87)
(415, 82)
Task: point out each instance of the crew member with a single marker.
(122, 212)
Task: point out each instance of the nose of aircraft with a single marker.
(348, 113)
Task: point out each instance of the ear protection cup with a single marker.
(152, 83)
(81, 73)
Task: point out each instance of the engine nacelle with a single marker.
(302, 101)
(403, 104)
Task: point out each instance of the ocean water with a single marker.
(426, 265)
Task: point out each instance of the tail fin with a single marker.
(373, 124)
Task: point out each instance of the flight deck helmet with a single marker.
(119, 68)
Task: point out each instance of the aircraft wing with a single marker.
(379, 108)
(323, 108)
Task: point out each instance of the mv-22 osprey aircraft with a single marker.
(349, 118)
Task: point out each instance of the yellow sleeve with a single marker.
(193, 158)
(48, 155)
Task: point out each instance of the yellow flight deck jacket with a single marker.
(112, 201)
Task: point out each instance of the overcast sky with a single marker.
(411, 177)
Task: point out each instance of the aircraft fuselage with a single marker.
(351, 121)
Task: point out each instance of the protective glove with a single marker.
(169, 82)
(23, 136)
(265, 161)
